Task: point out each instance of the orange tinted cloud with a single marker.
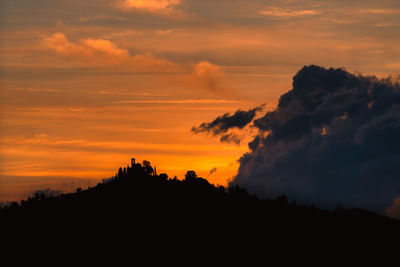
(208, 76)
(380, 11)
(285, 13)
(102, 52)
(185, 101)
(153, 6)
(86, 49)
(99, 52)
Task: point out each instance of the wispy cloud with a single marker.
(213, 170)
(151, 6)
(380, 11)
(47, 90)
(130, 93)
(100, 52)
(287, 13)
(17, 145)
(184, 101)
(91, 49)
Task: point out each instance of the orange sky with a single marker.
(85, 85)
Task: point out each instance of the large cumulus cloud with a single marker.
(333, 139)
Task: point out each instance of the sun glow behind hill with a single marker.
(84, 146)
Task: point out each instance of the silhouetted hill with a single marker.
(144, 202)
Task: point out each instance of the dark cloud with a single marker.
(333, 139)
(225, 122)
(394, 210)
(212, 171)
(231, 138)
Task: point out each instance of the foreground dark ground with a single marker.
(137, 202)
(138, 216)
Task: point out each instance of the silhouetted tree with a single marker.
(163, 176)
(190, 176)
(147, 167)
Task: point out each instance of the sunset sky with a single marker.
(86, 85)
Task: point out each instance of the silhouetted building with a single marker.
(135, 167)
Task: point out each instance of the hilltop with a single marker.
(139, 198)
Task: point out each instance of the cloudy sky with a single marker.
(87, 84)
